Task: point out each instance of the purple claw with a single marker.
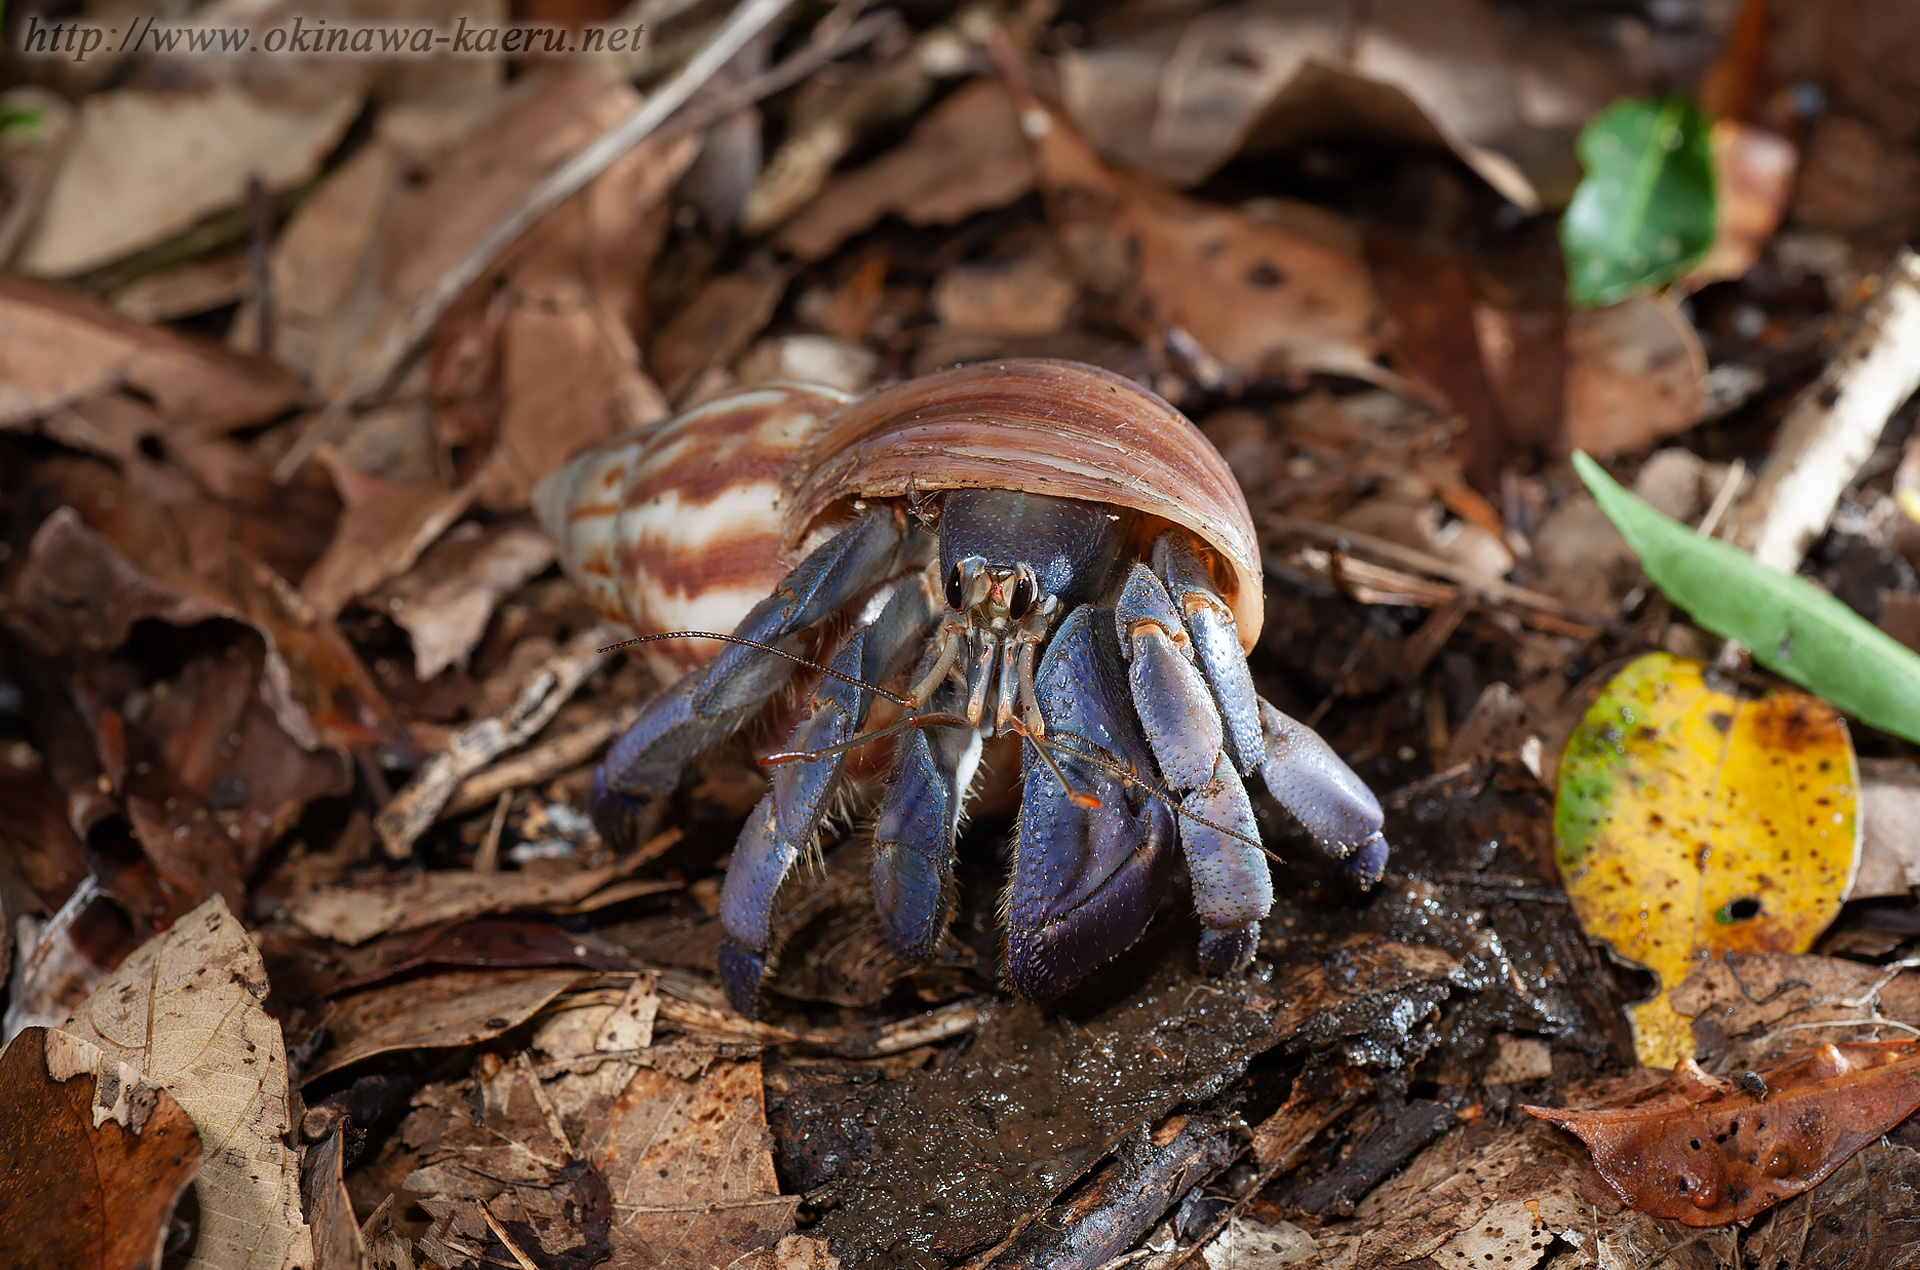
(1086, 881)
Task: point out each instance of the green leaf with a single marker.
(1792, 627)
(23, 120)
(1644, 211)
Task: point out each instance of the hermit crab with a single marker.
(1032, 547)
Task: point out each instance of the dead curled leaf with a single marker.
(184, 1011)
(1706, 1151)
(445, 1011)
(90, 1169)
(355, 914)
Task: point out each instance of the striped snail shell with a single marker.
(686, 524)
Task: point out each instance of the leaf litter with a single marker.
(359, 708)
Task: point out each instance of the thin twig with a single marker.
(1491, 589)
(414, 809)
(741, 26)
(487, 859)
(500, 1233)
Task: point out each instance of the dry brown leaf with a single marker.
(90, 1169)
(1636, 375)
(379, 538)
(58, 348)
(336, 1238)
(795, 1252)
(445, 601)
(1256, 79)
(29, 160)
(1267, 299)
(443, 1011)
(1490, 1191)
(144, 166)
(965, 155)
(182, 291)
(717, 324)
(355, 914)
(1028, 294)
(1705, 1151)
(184, 1010)
(688, 1167)
(1753, 179)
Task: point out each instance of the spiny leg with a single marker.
(1086, 880)
(1300, 769)
(790, 814)
(707, 705)
(914, 834)
(1232, 887)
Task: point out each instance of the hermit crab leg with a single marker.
(1216, 643)
(1086, 878)
(704, 707)
(1299, 768)
(914, 833)
(790, 814)
(1323, 793)
(1232, 887)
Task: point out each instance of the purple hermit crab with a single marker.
(1030, 547)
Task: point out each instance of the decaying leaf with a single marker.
(144, 166)
(1636, 374)
(337, 1244)
(680, 1167)
(445, 601)
(184, 1011)
(355, 914)
(58, 348)
(965, 156)
(1266, 298)
(93, 1158)
(1692, 821)
(462, 1007)
(1706, 1151)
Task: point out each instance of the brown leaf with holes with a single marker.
(1706, 1151)
(185, 1011)
(93, 1158)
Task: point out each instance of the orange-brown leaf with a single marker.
(1706, 1151)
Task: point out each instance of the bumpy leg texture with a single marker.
(788, 817)
(1300, 769)
(704, 707)
(1323, 793)
(1085, 880)
(1232, 887)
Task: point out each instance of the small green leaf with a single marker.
(1792, 627)
(21, 120)
(1644, 211)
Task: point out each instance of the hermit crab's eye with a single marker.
(1022, 598)
(953, 588)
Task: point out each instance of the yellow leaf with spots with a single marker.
(1692, 821)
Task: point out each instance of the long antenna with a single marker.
(1043, 745)
(744, 642)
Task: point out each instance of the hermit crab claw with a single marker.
(1029, 547)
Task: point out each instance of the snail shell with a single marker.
(687, 524)
(678, 525)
